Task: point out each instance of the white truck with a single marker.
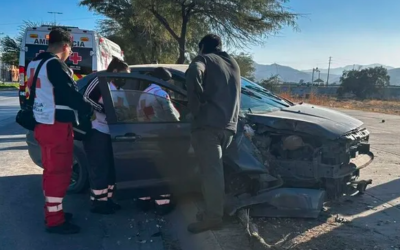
(91, 52)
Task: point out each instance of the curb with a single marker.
(8, 89)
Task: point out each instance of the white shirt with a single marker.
(100, 122)
(155, 105)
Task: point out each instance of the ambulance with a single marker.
(90, 52)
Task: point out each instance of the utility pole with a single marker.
(329, 69)
(312, 78)
(2, 69)
(55, 13)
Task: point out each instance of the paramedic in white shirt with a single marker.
(98, 145)
(155, 103)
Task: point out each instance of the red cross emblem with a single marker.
(120, 102)
(30, 82)
(40, 51)
(75, 58)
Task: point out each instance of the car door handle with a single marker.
(127, 137)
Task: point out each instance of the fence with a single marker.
(388, 93)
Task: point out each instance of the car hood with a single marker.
(309, 119)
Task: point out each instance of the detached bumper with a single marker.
(280, 202)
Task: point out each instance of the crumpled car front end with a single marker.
(308, 150)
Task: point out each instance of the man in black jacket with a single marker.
(213, 87)
(57, 105)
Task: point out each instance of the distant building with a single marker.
(319, 81)
(9, 73)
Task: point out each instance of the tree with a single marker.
(271, 83)
(139, 46)
(246, 65)
(10, 47)
(365, 82)
(239, 22)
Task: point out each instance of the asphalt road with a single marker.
(375, 216)
(9, 106)
(21, 204)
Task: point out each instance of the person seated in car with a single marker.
(155, 103)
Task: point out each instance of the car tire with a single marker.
(79, 177)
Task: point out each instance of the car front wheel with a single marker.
(79, 177)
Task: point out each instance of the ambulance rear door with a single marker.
(106, 49)
(81, 59)
(34, 42)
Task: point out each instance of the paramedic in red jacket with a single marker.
(56, 106)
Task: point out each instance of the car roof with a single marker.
(177, 67)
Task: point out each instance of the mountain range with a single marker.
(288, 74)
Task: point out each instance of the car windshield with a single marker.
(256, 99)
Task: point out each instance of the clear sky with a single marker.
(351, 31)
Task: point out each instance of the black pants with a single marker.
(209, 145)
(99, 152)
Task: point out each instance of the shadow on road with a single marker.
(12, 139)
(373, 224)
(22, 221)
(14, 148)
(10, 128)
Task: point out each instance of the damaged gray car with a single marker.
(286, 157)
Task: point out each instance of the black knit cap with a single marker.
(210, 43)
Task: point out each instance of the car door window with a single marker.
(176, 80)
(180, 83)
(133, 106)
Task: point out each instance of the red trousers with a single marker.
(56, 142)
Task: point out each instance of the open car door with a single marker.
(150, 147)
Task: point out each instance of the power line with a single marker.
(55, 13)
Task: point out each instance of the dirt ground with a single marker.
(379, 106)
(370, 221)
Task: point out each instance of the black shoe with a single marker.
(113, 205)
(204, 225)
(101, 207)
(67, 217)
(65, 228)
(200, 216)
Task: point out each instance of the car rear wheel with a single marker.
(79, 177)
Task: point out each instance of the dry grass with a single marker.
(379, 106)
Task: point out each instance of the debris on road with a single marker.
(339, 219)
